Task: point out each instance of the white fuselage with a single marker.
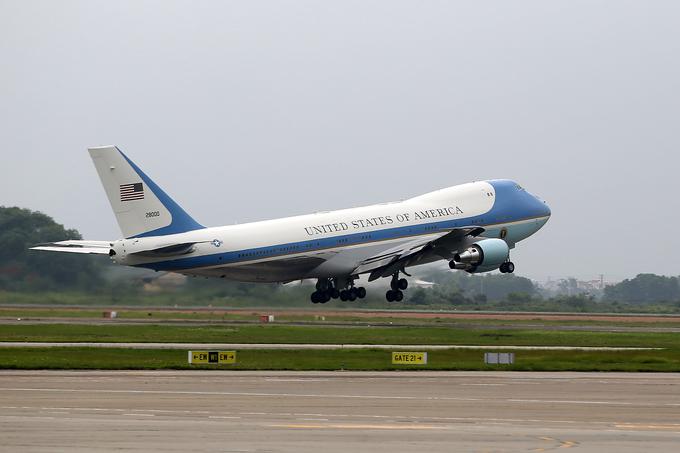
(327, 244)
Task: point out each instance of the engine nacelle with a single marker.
(483, 256)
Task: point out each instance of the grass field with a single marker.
(667, 359)
(370, 359)
(330, 335)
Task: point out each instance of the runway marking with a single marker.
(223, 416)
(295, 380)
(663, 427)
(360, 426)
(140, 415)
(561, 444)
(608, 403)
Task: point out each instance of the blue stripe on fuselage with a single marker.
(511, 204)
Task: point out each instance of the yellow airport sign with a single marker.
(208, 357)
(409, 358)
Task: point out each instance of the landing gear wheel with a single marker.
(344, 295)
(402, 283)
(352, 294)
(389, 295)
(503, 268)
(334, 293)
(315, 297)
(398, 296)
(361, 292)
(509, 267)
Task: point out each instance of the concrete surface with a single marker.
(332, 412)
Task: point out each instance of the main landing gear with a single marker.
(507, 268)
(327, 289)
(397, 284)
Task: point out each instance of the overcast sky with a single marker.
(253, 110)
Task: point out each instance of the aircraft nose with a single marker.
(544, 208)
(540, 207)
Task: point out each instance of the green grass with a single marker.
(371, 359)
(329, 335)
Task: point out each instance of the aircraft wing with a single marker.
(74, 246)
(442, 244)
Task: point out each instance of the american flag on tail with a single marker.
(134, 191)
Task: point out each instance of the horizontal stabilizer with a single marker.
(74, 246)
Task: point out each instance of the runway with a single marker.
(338, 411)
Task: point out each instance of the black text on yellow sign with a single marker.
(208, 357)
(409, 358)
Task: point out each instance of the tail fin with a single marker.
(141, 207)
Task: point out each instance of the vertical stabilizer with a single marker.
(141, 207)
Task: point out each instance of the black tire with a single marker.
(402, 283)
(352, 295)
(361, 292)
(509, 267)
(314, 297)
(344, 295)
(334, 293)
(389, 295)
(399, 296)
(503, 268)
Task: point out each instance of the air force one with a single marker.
(472, 226)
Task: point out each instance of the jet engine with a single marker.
(483, 256)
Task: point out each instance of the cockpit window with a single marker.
(518, 187)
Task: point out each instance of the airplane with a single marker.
(473, 226)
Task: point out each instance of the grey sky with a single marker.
(252, 110)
